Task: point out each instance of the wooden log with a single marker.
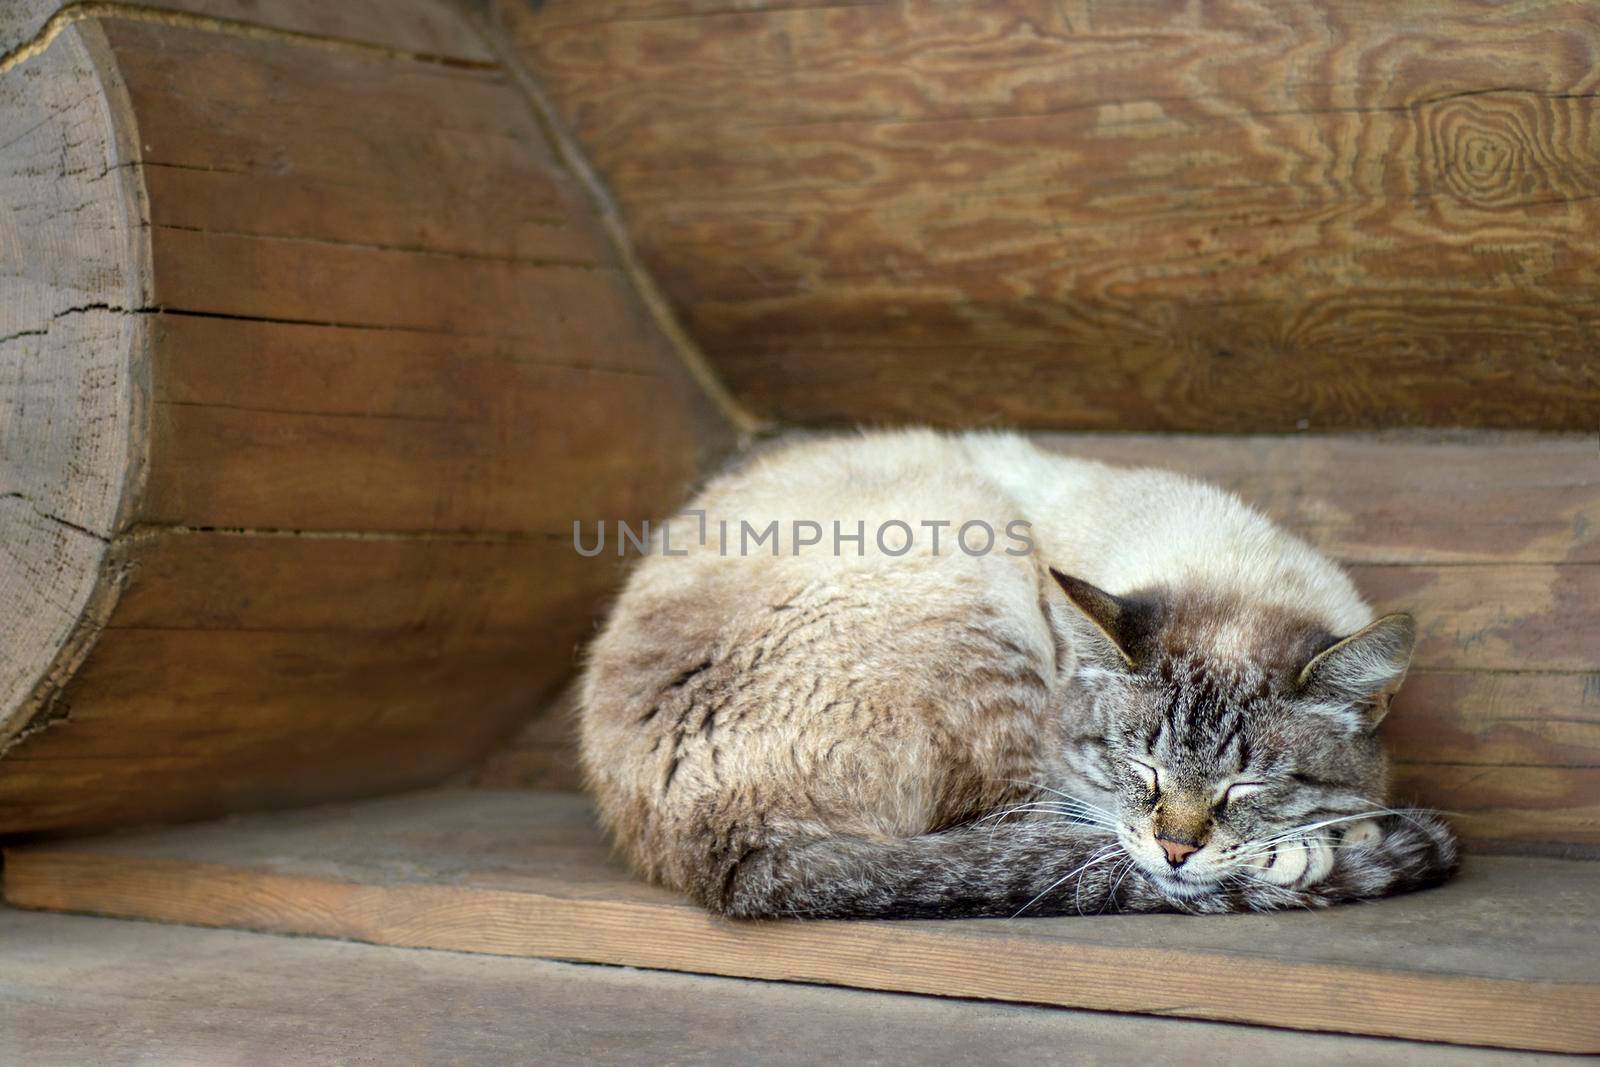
(1242, 215)
(422, 28)
(312, 350)
(73, 362)
(1501, 956)
(1395, 498)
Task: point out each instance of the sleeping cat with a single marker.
(1133, 694)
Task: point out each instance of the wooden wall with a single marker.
(1235, 215)
(377, 354)
(355, 345)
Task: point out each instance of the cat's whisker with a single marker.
(1068, 797)
(1300, 831)
(1097, 857)
(1112, 895)
(1331, 842)
(1407, 813)
(1054, 809)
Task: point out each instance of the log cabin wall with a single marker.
(1157, 215)
(296, 432)
(312, 351)
(318, 328)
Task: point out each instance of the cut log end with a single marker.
(311, 352)
(72, 385)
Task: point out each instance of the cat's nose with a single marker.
(1176, 851)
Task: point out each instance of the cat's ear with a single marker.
(1107, 629)
(1358, 675)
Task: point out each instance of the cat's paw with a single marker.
(1293, 863)
(1362, 833)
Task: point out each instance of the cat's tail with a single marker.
(985, 869)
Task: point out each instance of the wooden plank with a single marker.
(1244, 217)
(1500, 956)
(1492, 718)
(1510, 808)
(1395, 497)
(282, 124)
(1493, 617)
(79, 988)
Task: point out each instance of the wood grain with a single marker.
(78, 988)
(419, 26)
(181, 724)
(1500, 956)
(543, 755)
(323, 428)
(1398, 497)
(192, 580)
(73, 363)
(1492, 617)
(379, 356)
(1235, 216)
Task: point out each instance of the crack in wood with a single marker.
(79, 309)
(328, 323)
(420, 250)
(146, 530)
(723, 12)
(57, 519)
(87, 10)
(56, 712)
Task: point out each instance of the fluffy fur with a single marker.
(1169, 704)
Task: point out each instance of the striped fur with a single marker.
(878, 734)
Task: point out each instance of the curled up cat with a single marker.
(921, 675)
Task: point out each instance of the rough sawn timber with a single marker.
(1501, 956)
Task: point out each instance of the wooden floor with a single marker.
(77, 990)
(1503, 956)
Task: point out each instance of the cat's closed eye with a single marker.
(1150, 773)
(1237, 791)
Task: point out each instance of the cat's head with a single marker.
(1222, 725)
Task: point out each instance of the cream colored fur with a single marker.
(738, 699)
